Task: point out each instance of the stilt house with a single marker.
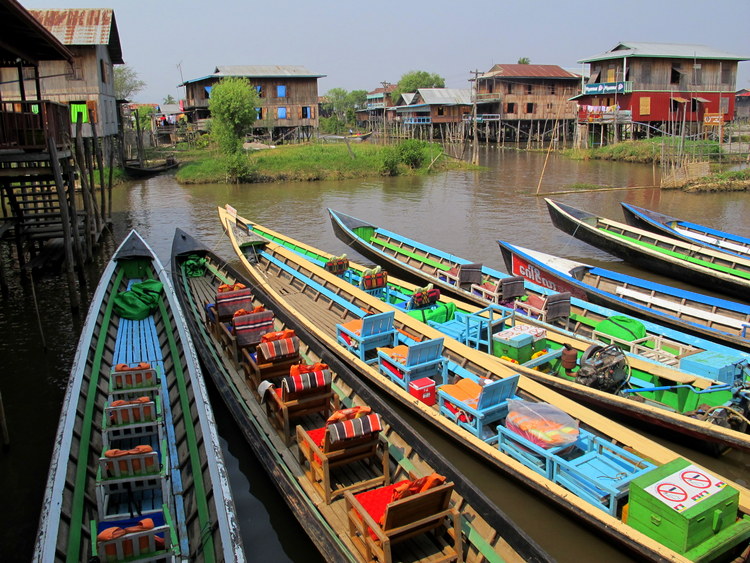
(288, 98)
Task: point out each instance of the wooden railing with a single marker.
(27, 125)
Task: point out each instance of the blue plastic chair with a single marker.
(423, 359)
(491, 407)
(376, 331)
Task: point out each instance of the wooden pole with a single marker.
(65, 218)
(4, 424)
(111, 174)
(86, 193)
(102, 193)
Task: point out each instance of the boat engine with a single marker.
(604, 368)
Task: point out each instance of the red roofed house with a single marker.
(525, 100)
(660, 85)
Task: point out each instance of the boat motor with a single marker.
(604, 368)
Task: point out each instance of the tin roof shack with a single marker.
(36, 164)
(288, 98)
(522, 102)
(87, 86)
(659, 86)
(434, 112)
(742, 106)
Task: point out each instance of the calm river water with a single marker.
(463, 212)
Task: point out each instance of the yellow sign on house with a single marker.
(713, 119)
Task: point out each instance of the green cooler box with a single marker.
(687, 509)
(519, 342)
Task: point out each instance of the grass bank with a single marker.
(647, 150)
(734, 181)
(318, 161)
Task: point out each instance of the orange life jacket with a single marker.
(278, 335)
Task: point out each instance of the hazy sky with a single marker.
(357, 45)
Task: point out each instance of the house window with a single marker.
(726, 73)
(697, 74)
(259, 90)
(676, 74)
(551, 89)
(594, 78)
(645, 106)
(103, 70)
(281, 91)
(79, 108)
(530, 107)
(611, 74)
(510, 87)
(281, 114)
(510, 107)
(77, 69)
(306, 113)
(646, 74)
(694, 105)
(258, 113)
(208, 91)
(529, 88)
(441, 110)
(723, 105)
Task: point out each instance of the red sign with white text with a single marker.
(533, 274)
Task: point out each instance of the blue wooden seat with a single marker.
(369, 333)
(403, 364)
(474, 406)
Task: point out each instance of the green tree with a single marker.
(524, 61)
(232, 105)
(169, 99)
(337, 102)
(416, 79)
(127, 83)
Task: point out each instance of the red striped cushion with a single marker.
(250, 328)
(354, 428)
(279, 348)
(230, 301)
(306, 381)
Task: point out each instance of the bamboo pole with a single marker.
(87, 205)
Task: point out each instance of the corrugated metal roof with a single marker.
(25, 37)
(528, 71)
(445, 96)
(664, 50)
(266, 71)
(91, 26)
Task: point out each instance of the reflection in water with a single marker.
(460, 212)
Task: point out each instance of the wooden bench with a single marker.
(402, 519)
(292, 401)
(323, 456)
(360, 336)
(403, 364)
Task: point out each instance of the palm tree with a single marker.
(524, 61)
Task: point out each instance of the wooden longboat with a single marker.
(692, 263)
(678, 401)
(135, 169)
(322, 302)
(181, 502)
(488, 534)
(719, 320)
(425, 264)
(693, 233)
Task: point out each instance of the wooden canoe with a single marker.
(716, 319)
(136, 170)
(689, 262)
(184, 493)
(488, 533)
(685, 230)
(681, 397)
(322, 302)
(425, 264)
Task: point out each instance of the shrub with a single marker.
(411, 152)
(391, 160)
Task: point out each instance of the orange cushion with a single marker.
(376, 501)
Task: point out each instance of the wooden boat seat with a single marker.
(403, 364)
(229, 300)
(133, 482)
(324, 450)
(464, 275)
(245, 331)
(270, 359)
(507, 290)
(361, 336)
(546, 309)
(299, 396)
(377, 522)
(139, 539)
(474, 406)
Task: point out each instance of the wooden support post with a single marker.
(4, 424)
(102, 193)
(69, 173)
(65, 218)
(85, 192)
(111, 141)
